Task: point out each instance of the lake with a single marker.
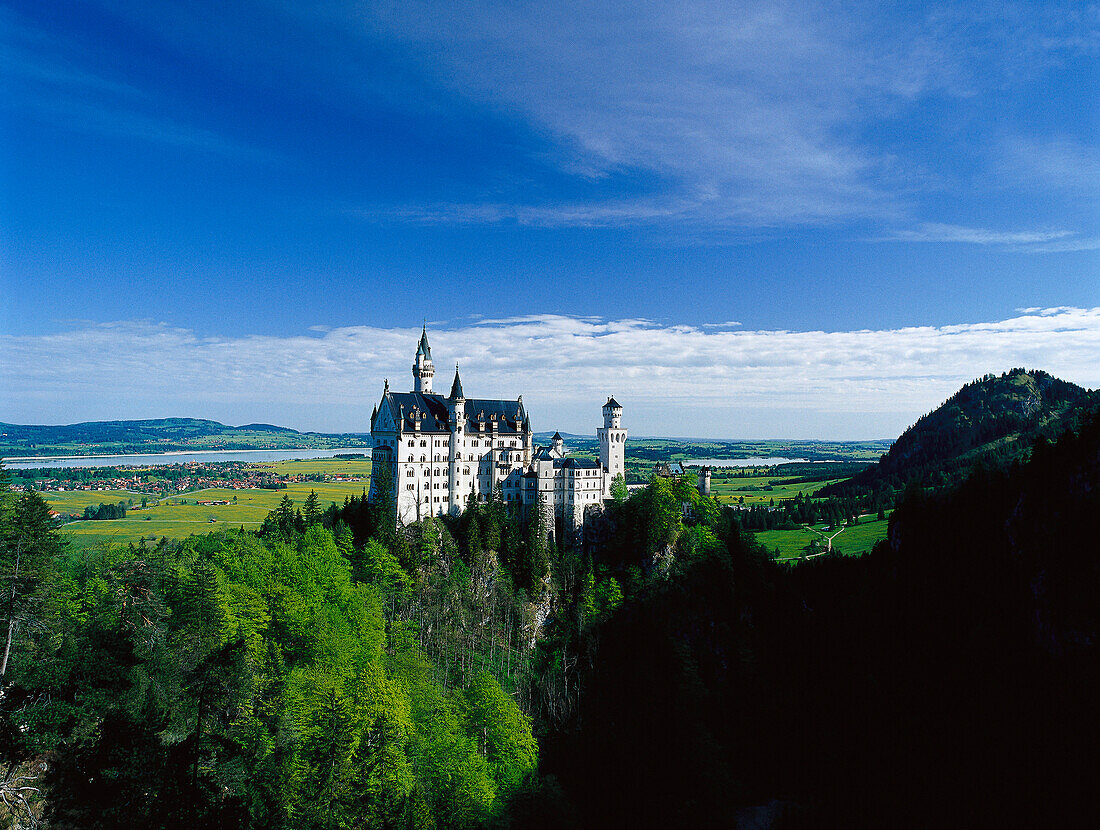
(145, 460)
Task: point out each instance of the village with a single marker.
(171, 479)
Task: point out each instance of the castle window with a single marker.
(423, 458)
(409, 487)
(409, 473)
(412, 443)
(423, 443)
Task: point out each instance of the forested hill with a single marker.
(993, 420)
(160, 435)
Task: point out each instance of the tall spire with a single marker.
(456, 387)
(424, 348)
(423, 369)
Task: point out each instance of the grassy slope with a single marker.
(753, 488)
(851, 541)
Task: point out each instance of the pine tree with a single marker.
(312, 509)
(29, 545)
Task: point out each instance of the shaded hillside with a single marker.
(993, 420)
(947, 679)
(158, 435)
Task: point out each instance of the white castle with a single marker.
(443, 450)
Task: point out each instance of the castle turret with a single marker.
(557, 444)
(704, 481)
(423, 368)
(456, 409)
(612, 439)
(612, 414)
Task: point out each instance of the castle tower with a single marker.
(456, 406)
(704, 481)
(423, 368)
(557, 445)
(612, 439)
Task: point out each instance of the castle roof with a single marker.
(577, 463)
(456, 387)
(666, 469)
(435, 415)
(614, 403)
(557, 437)
(424, 348)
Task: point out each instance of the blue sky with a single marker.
(294, 184)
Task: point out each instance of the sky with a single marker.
(744, 220)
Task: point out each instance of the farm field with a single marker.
(754, 488)
(331, 466)
(74, 501)
(179, 516)
(670, 449)
(852, 541)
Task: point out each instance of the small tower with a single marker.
(704, 481)
(423, 368)
(557, 445)
(612, 439)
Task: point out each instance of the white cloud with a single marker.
(673, 379)
(1027, 240)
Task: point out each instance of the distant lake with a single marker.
(54, 461)
(742, 462)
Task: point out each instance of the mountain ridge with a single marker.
(994, 420)
(160, 435)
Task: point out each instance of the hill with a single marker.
(160, 435)
(992, 421)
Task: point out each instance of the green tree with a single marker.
(312, 509)
(29, 546)
(502, 732)
(619, 490)
(381, 568)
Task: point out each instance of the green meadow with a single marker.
(331, 466)
(178, 516)
(74, 501)
(761, 488)
(849, 542)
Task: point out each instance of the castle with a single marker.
(443, 450)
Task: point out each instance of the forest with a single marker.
(332, 671)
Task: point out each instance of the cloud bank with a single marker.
(672, 379)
